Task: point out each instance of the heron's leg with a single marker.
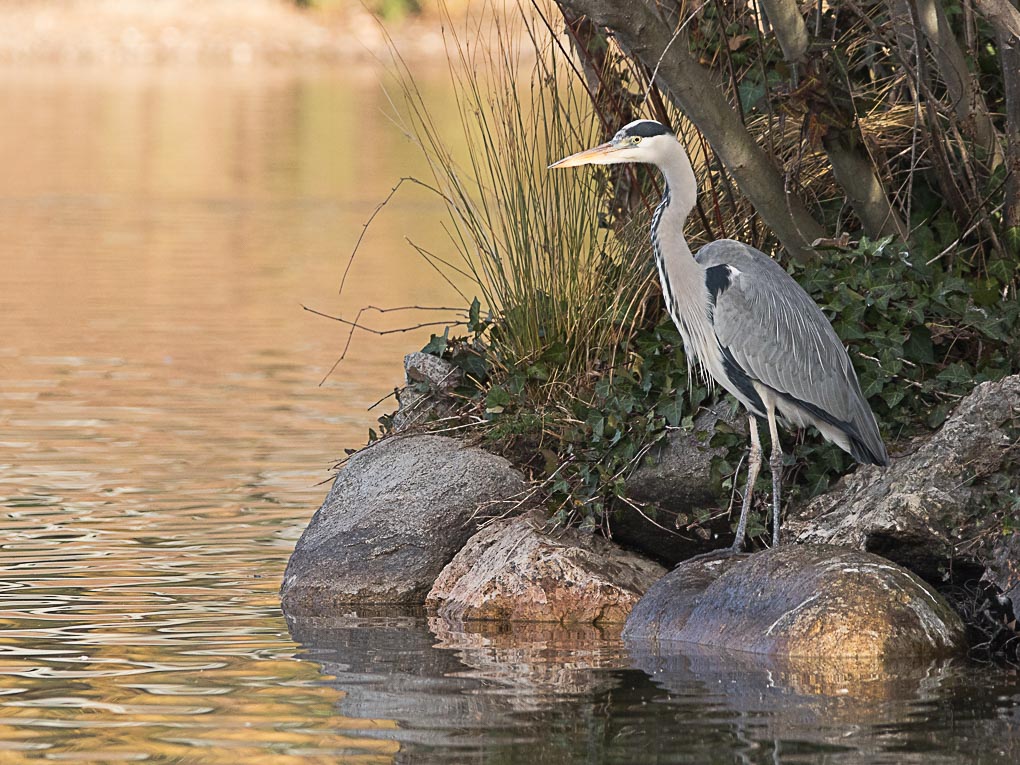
(753, 465)
(776, 468)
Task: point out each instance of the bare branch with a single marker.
(929, 18)
(788, 24)
(1004, 17)
(355, 325)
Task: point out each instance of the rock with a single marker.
(799, 600)
(398, 511)
(1003, 572)
(914, 511)
(682, 499)
(441, 375)
(513, 571)
(430, 381)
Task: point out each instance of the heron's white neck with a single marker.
(682, 277)
(683, 186)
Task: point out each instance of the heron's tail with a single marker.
(869, 452)
(866, 445)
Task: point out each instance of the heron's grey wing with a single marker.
(778, 336)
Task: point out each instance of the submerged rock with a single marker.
(397, 513)
(799, 600)
(915, 510)
(513, 571)
(680, 495)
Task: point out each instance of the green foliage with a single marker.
(921, 336)
(919, 340)
(580, 442)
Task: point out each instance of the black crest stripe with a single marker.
(646, 129)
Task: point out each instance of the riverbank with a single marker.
(213, 32)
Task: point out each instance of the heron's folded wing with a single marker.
(779, 336)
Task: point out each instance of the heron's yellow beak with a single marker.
(597, 155)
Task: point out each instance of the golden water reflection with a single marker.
(163, 436)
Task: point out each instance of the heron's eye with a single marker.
(635, 140)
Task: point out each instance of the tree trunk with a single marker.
(1005, 19)
(788, 24)
(843, 142)
(643, 33)
(965, 94)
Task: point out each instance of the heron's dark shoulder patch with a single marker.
(717, 280)
(646, 129)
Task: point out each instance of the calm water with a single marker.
(164, 437)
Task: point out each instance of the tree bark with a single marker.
(1009, 51)
(855, 172)
(642, 32)
(788, 24)
(1004, 17)
(1011, 207)
(967, 101)
(843, 142)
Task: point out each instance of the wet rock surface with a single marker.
(397, 513)
(799, 600)
(513, 571)
(916, 511)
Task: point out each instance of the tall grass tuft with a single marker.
(562, 286)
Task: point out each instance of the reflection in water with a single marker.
(163, 440)
(544, 693)
(162, 435)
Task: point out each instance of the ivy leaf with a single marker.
(496, 400)
(957, 374)
(473, 364)
(918, 347)
(437, 345)
(672, 410)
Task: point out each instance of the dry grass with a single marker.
(561, 287)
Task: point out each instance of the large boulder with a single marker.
(799, 600)
(918, 510)
(397, 513)
(512, 570)
(680, 497)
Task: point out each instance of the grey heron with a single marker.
(745, 322)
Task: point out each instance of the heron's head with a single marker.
(640, 141)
